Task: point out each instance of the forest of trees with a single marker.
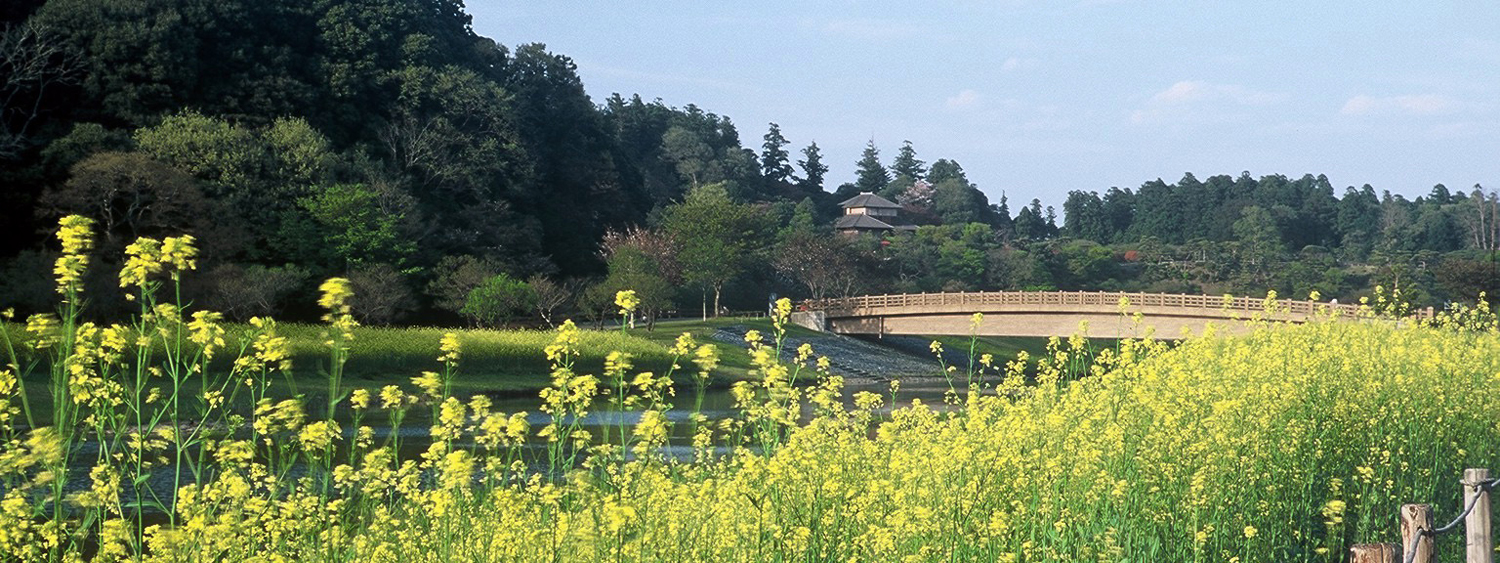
(455, 179)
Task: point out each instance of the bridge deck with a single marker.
(1058, 313)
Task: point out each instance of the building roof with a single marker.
(867, 199)
(860, 222)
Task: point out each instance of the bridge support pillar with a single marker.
(813, 320)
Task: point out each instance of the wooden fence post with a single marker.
(1415, 519)
(1375, 553)
(1479, 548)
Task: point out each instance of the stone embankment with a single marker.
(849, 357)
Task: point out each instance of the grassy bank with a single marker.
(493, 359)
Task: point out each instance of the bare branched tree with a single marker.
(824, 265)
(32, 61)
(1484, 220)
(419, 144)
(381, 295)
(660, 246)
(242, 292)
(550, 296)
(130, 195)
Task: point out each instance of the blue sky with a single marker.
(1036, 98)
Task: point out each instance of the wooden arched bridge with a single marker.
(1056, 313)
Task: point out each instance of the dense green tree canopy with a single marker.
(386, 141)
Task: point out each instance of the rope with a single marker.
(1485, 486)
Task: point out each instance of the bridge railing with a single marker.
(1247, 305)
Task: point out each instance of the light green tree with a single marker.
(715, 234)
(226, 157)
(694, 157)
(354, 226)
(631, 268)
(499, 300)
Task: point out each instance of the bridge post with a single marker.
(812, 320)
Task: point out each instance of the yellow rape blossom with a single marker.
(430, 384)
(142, 260)
(205, 331)
(391, 397)
(335, 294)
(319, 436)
(449, 347)
(1212, 449)
(45, 330)
(627, 301)
(180, 253)
(75, 232)
(359, 399)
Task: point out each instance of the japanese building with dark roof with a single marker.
(870, 213)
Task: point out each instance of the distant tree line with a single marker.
(454, 179)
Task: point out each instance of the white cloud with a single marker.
(1191, 91)
(1199, 101)
(964, 99)
(1017, 63)
(1423, 104)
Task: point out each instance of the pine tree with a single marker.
(908, 165)
(813, 168)
(870, 176)
(773, 159)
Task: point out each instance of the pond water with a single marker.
(718, 404)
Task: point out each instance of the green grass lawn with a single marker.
(493, 360)
(1006, 348)
(1002, 347)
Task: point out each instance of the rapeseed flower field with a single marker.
(1285, 445)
